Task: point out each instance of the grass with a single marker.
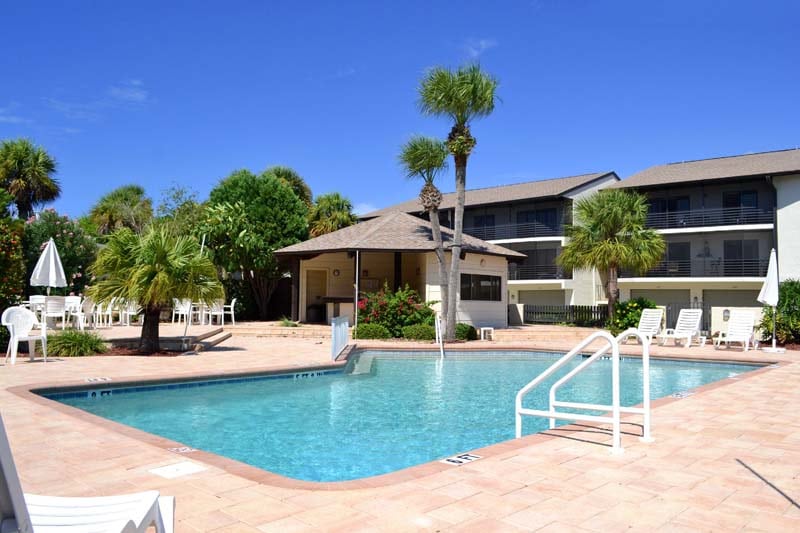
(287, 322)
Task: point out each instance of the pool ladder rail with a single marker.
(611, 343)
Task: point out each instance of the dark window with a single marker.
(547, 217)
(678, 258)
(525, 217)
(657, 205)
(741, 258)
(480, 287)
(680, 203)
(740, 199)
(481, 221)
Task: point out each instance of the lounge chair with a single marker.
(28, 513)
(650, 323)
(740, 329)
(687, 327)
(20, 323)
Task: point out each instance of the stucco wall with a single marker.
(788, 225)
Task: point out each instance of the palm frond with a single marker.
(424, 157)
(461, 94)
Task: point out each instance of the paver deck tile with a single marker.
(687, 479)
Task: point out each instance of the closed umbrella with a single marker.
(769, 292)
(48, 271)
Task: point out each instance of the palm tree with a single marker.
(26, 172)
(294, 180)
(330, 212)
(152, 269)
(609, 234)
(425, 157)
(461, 95)
(124, 207)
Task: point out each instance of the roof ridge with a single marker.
(536, 181)
(378, 224)
(729, 156)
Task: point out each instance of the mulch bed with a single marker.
(117, 351)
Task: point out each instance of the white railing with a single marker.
(437, 326)
(340, 329)
(615, 408)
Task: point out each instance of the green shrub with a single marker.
(74, 343)
(419, 332)
(287, 322)
(787, 315)
(394, 310)
(627, 314)
(371, 331)
(465, 332)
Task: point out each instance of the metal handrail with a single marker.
(615, 407)
(437, 321)
(340, 329)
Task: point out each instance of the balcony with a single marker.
(695, 218)
(536, 272)
(705, 268)
(515, 231)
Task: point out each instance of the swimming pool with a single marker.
(384, 412)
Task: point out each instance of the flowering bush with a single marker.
(787, 324)
(75, 247)
(12, 268)
(627, 314)
(394, 310)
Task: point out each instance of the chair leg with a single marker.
(13, 348)
(31, 349)
(44, 348)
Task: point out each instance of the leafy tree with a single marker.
(787, 315)
(151, 269)
(610, 234)
(294, 180)
(248, 217)
(180, 210)
(26, 172)
(330, 212)
(461, 95)
(12, 267)
(425, 157)
(76, 248)
(124, 207)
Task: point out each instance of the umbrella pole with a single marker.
(773, 327)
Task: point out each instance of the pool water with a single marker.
(384, 413)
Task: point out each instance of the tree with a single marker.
(180, 210)
(26, 172)
(294, 180)
(124, 207)
(330, 212)
(152, 269)
(610, 234)
(461, 95)
(76, 248)
(425, 157)
(248, 217)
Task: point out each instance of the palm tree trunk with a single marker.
(149, 342)
(613, 290)
(444, 286)
(455, 260)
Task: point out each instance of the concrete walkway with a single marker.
(726, 459)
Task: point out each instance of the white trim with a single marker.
(549, 282)
(709, 229)
(688, 279)
(555, 238)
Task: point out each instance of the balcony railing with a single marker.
(534, 272)
(710, 217)
(709, 268)
(515, 231)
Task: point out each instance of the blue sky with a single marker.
(158, 93)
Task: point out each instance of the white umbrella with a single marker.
(769, 291)
(49, 272)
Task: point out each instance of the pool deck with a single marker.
(726, 458)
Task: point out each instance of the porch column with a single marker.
(398, 270)
(294, 270)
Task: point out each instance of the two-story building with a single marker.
(720, 218)
(528, 218)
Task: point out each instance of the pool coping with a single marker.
(33, 393)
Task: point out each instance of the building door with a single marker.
(316, 289)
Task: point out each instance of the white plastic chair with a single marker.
(127, 311)
(37, 304)
(72, 304)
(85, 315)
(181, 309)
(217, 309)
(650, 323)
(55, 307)
(741, 326)
(687, 327)
(29, 513)
(228, 310)
(20, 323)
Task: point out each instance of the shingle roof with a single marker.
(396, 231)
(501, 194)
(778, 162)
